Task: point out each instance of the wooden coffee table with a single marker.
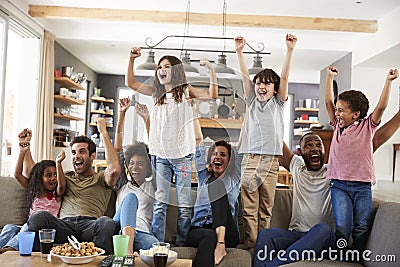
(12, 258)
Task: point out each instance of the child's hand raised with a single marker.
(393, 74)
(142, 111)
(60, 157)
(205, 63)
(240, 43)
(332, 71)
(124, 104)
(291, 40)
(135, 52)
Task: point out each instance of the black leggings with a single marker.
(204, 238)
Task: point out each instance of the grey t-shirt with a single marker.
(311, 197)
(263, 131)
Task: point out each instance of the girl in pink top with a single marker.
(45, 187)
(350, 166)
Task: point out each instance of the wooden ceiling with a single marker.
(211, 19)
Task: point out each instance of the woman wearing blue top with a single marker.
(213, 226)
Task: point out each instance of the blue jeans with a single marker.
(165, 169)
(289, 244)
(9, 235)
(126, 216)
(84, 228)
(352, 208)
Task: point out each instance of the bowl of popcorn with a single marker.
(87, 253)
(146, 255)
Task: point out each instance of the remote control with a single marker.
(129, 261)
(107, 261)
(117, 262)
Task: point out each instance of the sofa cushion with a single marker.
(14, 205)
(235, 257)
(384, 239)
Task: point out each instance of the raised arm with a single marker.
(286, 158)
(23, 180)
(113, 169)
(130, 81)
(61, 183)
(124, 104)
(384, 99)
(386, 131)
(240, 43)
(212, 92)
(25, 136)
(331, 72)
(284, 83)
(143, 112)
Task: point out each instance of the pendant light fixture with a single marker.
(257, 66)
(222, 70)
(149, 67)
(190, 71)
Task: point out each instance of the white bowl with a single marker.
(147, 257)
(77, 260)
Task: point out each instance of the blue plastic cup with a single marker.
(25, 242)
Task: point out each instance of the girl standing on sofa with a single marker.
(45, 187)
(350, 165)
(171, 136)
(135, 196)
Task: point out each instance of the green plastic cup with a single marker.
(120, 243)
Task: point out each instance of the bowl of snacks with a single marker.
(146, 255)
(70, 255)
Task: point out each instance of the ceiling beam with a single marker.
(211, 19)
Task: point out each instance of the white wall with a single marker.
(371, 81)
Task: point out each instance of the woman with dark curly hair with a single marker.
(135, 190)
(45, 187)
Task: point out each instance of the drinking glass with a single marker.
(160, 253)
(46, 238)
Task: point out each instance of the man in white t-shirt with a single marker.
(311, 227)
(312, 220)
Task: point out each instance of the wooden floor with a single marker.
(387, 191)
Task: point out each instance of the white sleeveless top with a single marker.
(171, 128)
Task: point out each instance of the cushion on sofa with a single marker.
(384, 239)
(14, 205)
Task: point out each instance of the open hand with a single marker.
(124, 104)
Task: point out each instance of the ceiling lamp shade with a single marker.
(257, 65)
(222, 70)
(190, 71)
(149, 67)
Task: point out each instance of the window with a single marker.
(20, 57)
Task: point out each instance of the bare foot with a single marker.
(219, 253)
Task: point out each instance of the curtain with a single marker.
(44, 135)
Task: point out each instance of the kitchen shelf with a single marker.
(307, 109)
(70, 84)
(102, 99)
(220, 123)
(67, 117)
(305, 121)
(102, 112)
(69, 100)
